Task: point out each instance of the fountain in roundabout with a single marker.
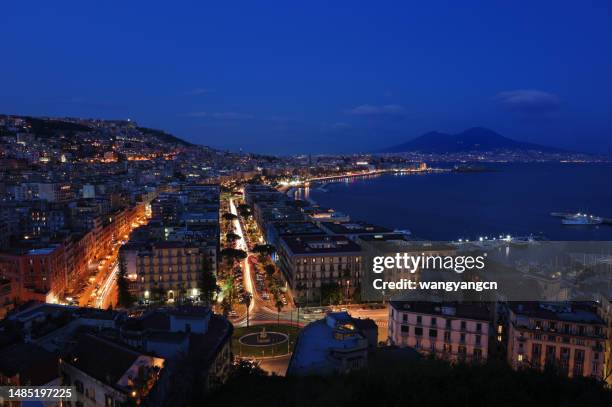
(263, 338)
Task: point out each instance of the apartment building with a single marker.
(312, 263)
(454, 331)
(604, 310)
(164, 270)
(569, 337)
(107, 373)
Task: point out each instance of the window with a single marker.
(404, 317)
(79, 386)
(433, 333)
(447, 336)
(478, 327)
(463, 325)
(108, 401)
(418, 331)
(448, 323)
(536, 349)
(419, 319)
(405, 329)
(477, 339)
(551, 352)
(578, 362)
(477, 354)
(462, 338)
(433, 321)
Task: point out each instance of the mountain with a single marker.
(474, 139)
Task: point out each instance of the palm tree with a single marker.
(246, 299)
(279, 307)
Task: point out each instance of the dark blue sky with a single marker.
(280, 77)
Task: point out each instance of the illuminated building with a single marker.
(453, 331)
(569, 337)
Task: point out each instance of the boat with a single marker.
(581, 219)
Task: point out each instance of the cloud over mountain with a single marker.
(529, 101)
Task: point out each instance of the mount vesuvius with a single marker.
(474, 139)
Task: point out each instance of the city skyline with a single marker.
(322, 79)
(324, 203)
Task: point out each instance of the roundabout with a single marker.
(264, 341)
(263, 338)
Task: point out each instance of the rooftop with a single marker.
(321, 244)
(317, 339)
(583, 312)
(297, 228)
(102, 359)
(35, 365)
(465, 310)
(353, 228)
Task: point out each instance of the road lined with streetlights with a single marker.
(260, 312)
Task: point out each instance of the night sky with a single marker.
(315, 77)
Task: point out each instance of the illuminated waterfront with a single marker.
(517, 200)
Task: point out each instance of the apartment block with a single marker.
(453, 331)
(569, 337)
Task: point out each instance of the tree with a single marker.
(279, 307)
(124, 298)
(209, 285)
(244, 210)
(229, 291)
(246, 300)
(226, 306)
(229, 216)
(263, 251)
(331, 293)
(431, 382)
(232, 238)
(270, 270)
(231, 254)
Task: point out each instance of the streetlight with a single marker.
(348, 287)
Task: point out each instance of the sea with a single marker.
(514, 199)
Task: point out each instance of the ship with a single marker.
(581, 219)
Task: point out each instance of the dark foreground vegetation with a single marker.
(418, 383)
